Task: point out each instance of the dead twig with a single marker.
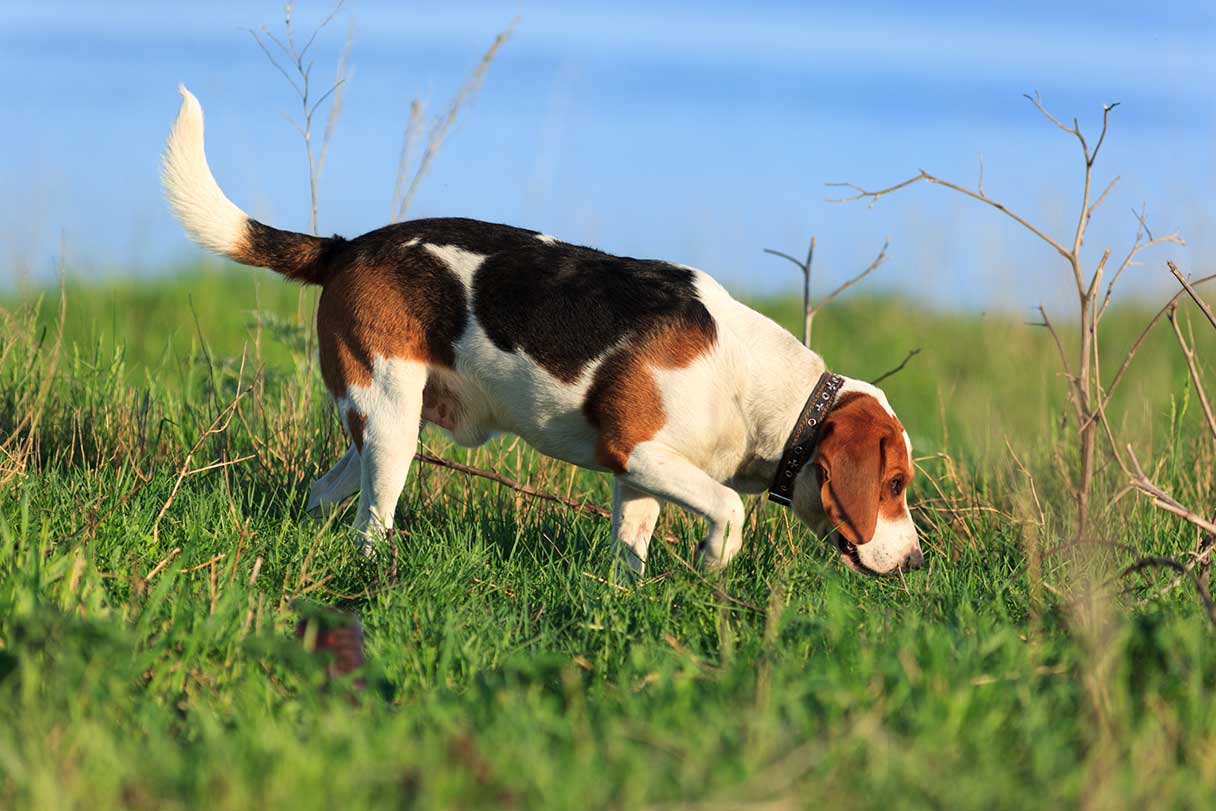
(809, 310)
(218, 426)
(911, 354)
(1188, 353)
(1164, 500)
(1158, 561)
(1190, 291)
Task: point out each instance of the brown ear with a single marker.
(850, 462)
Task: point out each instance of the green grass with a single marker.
(505, 667)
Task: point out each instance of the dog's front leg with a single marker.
(634, 514)
(656, 469)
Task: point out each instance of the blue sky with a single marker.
(700, 133)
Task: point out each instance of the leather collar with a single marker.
(800, 446)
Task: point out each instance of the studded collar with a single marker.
(800, 446)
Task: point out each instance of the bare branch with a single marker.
(273, 61)
(911, 354)
(1144, 334)
(1190, 290)
(1073, 383)
(1158, 561)
(526, 489)
(873, 266)
(808, 312)
(928, 178)
(333, 13)
(338, 89)
(1106, 109)
(409, 145)
(1164, 500)
(797, 263)
(1137, 246)
(1188, 353)
(1102, 196)
(1074, 130)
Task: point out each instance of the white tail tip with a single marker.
(210, 218)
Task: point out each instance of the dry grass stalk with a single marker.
(218, 426)
(440, 129)
(21, 444)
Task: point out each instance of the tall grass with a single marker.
(148, 664)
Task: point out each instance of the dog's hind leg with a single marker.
(383, 419)
(338, 484)
(634, 514)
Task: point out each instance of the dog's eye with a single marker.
(896, 486)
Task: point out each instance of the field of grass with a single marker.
(148, 658)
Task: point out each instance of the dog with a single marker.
(644, 369)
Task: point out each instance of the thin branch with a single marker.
(218, 426)
(1144, 334)
(873, 266)
(526, 489)
(808, 312)
(1073, 382)
(797, 263)
(1157, 561)
(1102, 197)
(1190, 291)
(1188, 352)
(1142, 230)
(1164, 500)
(911, 354)
(928, 178)
(271, 58)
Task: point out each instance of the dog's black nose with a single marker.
(913, 561)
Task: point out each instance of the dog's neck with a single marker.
(780, 378)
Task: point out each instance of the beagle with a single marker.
(643, 369)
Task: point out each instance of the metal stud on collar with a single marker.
(800, 446)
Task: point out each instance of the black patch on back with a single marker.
(566, 306)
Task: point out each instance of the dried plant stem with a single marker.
(218, 426)
(1188, 353)
(525, 489)
(439, 132)
(809, 310)
(1190, 291)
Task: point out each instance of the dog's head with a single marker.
(856, 485)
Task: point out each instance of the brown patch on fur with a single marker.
(624, 403)
(355, 424)
(860, 456)
(402, 303)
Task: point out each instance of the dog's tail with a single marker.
(215, 223)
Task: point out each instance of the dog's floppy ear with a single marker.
(849, 464)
